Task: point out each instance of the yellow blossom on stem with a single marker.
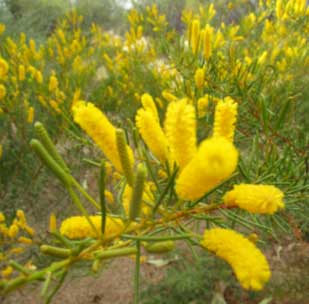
(77, 227)
(30, 116)
(195, 35)
(21, 72)
(208, 41)
(2, 91)
(149, 105)
(180, 129)
(4, 67)
(247, 261)
(225, 118)
(199, 77)
(152, 133)
(215, 160)
(100, 129)
(53, 83)
(263, 199)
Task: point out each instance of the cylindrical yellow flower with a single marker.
(152, 133)
(100, 129)
(77, 227)
(4, 67)
(30, 116)
(202, 104)
(225, 118)
(195, 35)
(208, 41)
(263, 199)
(215, 160)
(168, 96)
(247, 261)
(2, 91)
(199, 77)
(180, 129)
(21, 72)
(53, 83)
(149, 105)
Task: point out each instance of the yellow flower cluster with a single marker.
(100, 129)
(77, 227)
(247, 261)
(263, 199)
(215, 160)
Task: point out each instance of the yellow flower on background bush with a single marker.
(225, 118)
(180, 130)
(215, 160)
(247, 261)
(4, 67)
(263, 199)
(77, 227)
(100, 129)
(2, 91)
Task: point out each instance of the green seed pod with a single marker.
(49, 145)
(160, 247)
(137, 193)
(96, 265)
(124, 156)
(56, 251)
(113, 253)
(46, 284)
(50, 162)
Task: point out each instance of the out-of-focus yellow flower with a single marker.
(53, 83)
(52, 223)
(2, 217)
(30, 116)
(225, 118)
(180, 129)
(24, 240)
(2, 28)
(152, 133)
(6, 272)
(195, 35)
(77, 227)
(100, 129)
(215, 160)
(38, 77)
(169, 96)
(199, 77)
(21, 72)
(263, 199)
(202, 104)
(4, 67)
(247, 261)
(109, 197)
(2, 91)
(13, 231)
(208, 37)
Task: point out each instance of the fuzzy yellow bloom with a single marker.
(152, 133)
(199, 77)
(225, 118)
(263, 199)
(6, 272)
(38, 77)
(100, 129)
(180, 129)
(4, 67)
(208, 41)
(77, 227)
(147, 196)
(2, 91)
(195, 35)
(168, 96)
(53, 83)
(247, 261)
(52, 227)
(24, 240)
(215, 160)
(30, 116)
(21, 72)
(109, 197)
(149, 105)
(13, 231)
(202, 104)
(2, 28)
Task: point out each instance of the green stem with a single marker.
(158, 239)
(137, 272)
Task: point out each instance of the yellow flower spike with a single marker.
(215, 160)
(77, 227)
(53, 83)
(30, 116)
(180, 129)
(202, 104)
(2, 217)
(199, 77)
(152, 133)
(52, 227)
(4, 67)
(247, 261)
(149, 105)
(195, 35)
(208, 41)
(2, 91)
(2, 28)
(38, 77)
(100, 129)
(225, 118)
(24, 240)
(262, 199)
(6, 272)
(168, 96)
(21, 72)
(109, 197)
(13, 231)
